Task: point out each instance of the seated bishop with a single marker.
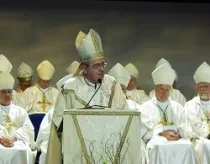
(24, 76)
(6, 66)
(166, 124)
(42, 96)
(175, 94)
(137, 95)
(198, 113)
(16, 129)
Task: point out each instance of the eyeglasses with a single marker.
(99, 65)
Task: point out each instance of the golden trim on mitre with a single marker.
(89, 46)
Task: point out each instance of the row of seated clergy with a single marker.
(164, 126)
(40, 97)
(16, 129)
(121, 75)
(25, 74)
(140, 96)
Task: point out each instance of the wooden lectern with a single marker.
(96, 136)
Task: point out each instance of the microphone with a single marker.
(99, 81)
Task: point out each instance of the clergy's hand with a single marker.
(171, 135)
(7, 142)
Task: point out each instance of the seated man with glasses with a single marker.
(198, 113)
(92, 88)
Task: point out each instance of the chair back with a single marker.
(36, 119)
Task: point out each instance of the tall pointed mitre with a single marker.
(120, 74)
(73, 67)
(89, 46)
(161, 62)
(45, 70)
(163, 74)
(164, 61)
(24, 72)
(5, 65)
(7, 81)
(202, 73)
(131, 68)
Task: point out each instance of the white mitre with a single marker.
(89, 46)
(120, 74)
(5, 65)
(73, 67)
(164, 61)
(45, 70)
(24, 72)
(164, 74)
(131, 68)
(7, 81)
(161, 62)
(202, 73)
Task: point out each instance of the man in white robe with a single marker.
(132, 92)
(198, 113)
(42, 96)
(165, 122)
(24, 76)
(91, 89)
(16, 129)
(44, 130)
(175, 94)
(123, 77)
(6, 66)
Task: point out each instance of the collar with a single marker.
(5, 108)
(41, 89)
(160, 103)
(90, 83)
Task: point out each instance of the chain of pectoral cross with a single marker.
(44, 103)
(164, 119)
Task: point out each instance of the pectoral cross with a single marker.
(44, 103)
(8, 123)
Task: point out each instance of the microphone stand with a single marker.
(86, 106)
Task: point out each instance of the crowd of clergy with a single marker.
(173, 130)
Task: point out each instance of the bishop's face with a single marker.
(162, 92)
(5, 96)
(131, 84)
(25, 84)
(43, 83)
(94, 70)
(203, 90)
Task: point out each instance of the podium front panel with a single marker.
(101, 137)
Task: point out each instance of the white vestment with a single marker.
(198, 115)
(43, 136)
(15, 122)
(37, 99)
(16, 100)
(175, 95)
(135, 106)
(77, 93)
(157, 117)
(138, 96)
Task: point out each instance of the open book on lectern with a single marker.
(95, 136)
